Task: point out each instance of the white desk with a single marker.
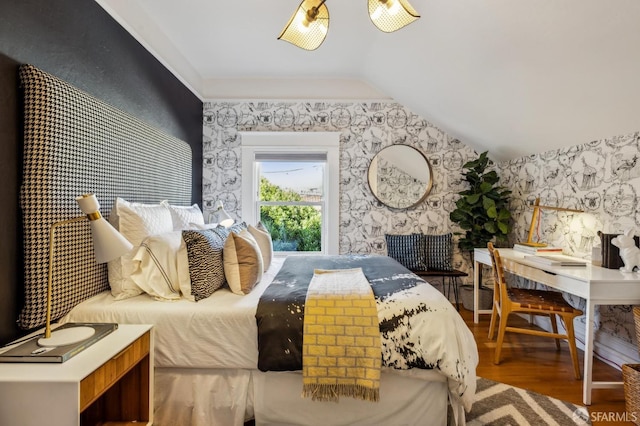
(597, 285)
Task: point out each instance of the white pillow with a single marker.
(242, 262)
(263, 238)
(161, 266)
(203, 227)
(185, 217)
(135, 221)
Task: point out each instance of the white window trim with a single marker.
(327, 142)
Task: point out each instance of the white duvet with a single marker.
(218, 332)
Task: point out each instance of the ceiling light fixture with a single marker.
(309, 24)
(391, 15)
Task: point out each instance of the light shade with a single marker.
(108, 244)
(391, 15)
(308, 26)
(223, 217)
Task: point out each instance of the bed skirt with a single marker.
(201, 397)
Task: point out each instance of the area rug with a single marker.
(500, 404)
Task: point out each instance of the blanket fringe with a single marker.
(332, 393)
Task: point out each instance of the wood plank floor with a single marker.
(533, 363)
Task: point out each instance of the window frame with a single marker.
(294, 142)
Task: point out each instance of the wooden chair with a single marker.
(534, 302)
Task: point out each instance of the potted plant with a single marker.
(482, 210)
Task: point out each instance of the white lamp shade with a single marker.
(108, 243)
(223, 217)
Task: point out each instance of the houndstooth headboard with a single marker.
(76, 144)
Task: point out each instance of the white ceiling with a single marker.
(514, 77)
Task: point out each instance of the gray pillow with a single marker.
(409, 250)
(439, 252)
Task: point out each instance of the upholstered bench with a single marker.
(453, 281)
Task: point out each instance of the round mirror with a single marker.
(400, 176)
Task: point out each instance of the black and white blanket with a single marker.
(419, 328)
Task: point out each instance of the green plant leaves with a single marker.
(482, 211)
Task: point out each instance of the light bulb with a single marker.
(393, 7)
(302, 21)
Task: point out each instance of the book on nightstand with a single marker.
(30, 351)
(537, 250)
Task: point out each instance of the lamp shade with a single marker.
(108, 244)
(308, 26)
(223, 217)
(391, 15)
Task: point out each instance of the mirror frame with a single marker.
(427, 190)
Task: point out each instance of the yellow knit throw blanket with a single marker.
(341, 352)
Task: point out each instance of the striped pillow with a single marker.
(438, 252)
(409, 250)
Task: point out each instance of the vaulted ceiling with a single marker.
(514, 77)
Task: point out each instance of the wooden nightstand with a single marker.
(109, 383)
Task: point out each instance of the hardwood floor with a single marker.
(533, 363)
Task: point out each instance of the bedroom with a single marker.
(79, 43)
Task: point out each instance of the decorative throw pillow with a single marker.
(162, 266)
(206, 269)
(135, 221)
(263, 238)
(409, 250)
(238, 227)
(242, 262)
(439, 252)
(203, 226)
(185, 217)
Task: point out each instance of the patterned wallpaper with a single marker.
(365, 129)
(600, 177)
(603, 179)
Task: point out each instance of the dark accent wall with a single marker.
(77, 41)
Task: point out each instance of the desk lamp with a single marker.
(108, 244)
(535, 218)
(223, 217)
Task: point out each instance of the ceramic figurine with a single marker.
(629, 252)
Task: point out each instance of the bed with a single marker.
(206, 351)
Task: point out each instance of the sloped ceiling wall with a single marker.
(514, 77)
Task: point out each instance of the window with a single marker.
(290, 183)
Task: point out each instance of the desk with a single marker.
(597, 285)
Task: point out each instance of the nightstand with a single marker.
(109, 383)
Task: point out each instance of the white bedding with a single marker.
(220, 331)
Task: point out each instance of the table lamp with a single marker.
(223, 217)
(108, 244)
(535, 218)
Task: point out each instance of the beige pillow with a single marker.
(242, 262)
(263, 238)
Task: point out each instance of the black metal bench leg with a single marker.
(455, 291)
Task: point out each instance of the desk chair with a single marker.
(534, 302)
